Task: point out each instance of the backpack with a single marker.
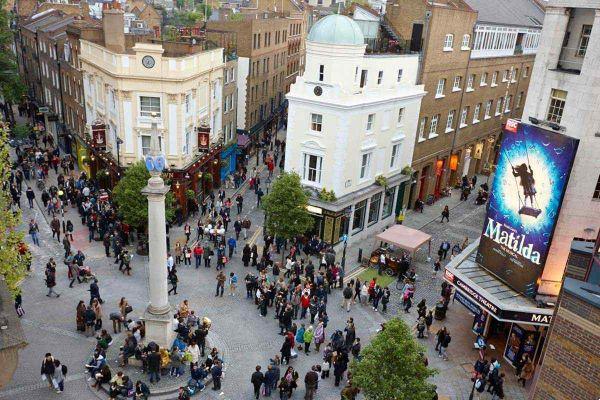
(347, 293)
(64, 370)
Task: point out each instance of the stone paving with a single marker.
(243, 338)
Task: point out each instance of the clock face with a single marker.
(159, 163)
(148, 61)
(318, 90)
(149, 163)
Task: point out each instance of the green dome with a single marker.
(336, 29)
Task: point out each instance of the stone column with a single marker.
(158, 313)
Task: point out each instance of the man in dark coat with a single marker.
(310, 382)
(153, 361)
(257, 380)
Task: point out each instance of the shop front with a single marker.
(228, 160)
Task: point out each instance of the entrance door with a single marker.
(400, 199)
(423, 182)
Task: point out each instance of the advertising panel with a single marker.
(531, 177)
(521, 341)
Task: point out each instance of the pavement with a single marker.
(243, 337)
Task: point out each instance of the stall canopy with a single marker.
(406, 238)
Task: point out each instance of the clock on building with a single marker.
(148, 61)
(318, 90)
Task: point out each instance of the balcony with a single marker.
(571, 59)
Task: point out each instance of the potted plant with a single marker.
(190, 194)
(407, 170)
(381, 181)
(327, 195)
(207, 176)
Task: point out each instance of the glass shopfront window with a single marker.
(388, 202)
(344, 222)
(359, 216)
(374, 208)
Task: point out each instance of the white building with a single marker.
(352, 119)
(565, 89)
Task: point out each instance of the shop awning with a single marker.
(484, 290)
(404, 237)
(242, 140)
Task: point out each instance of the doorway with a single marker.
(423, 182)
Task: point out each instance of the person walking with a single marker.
(153, 365)
(221, 278)
(47, 370)
(444, 346)
(51, 278)
(527, 370)
(173, 279)
(347, 293)
(233, 279)
(311, 380)
(30, 194)
(55, 225)
(257, 380)
(308, 338)
(34, 231)
(259, 195)
(231, 243)
(60, 372)
(239, 200)
(439, 338)
(216, 372)
(445, 214)
(198, 250)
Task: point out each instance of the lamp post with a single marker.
(119, 143)
(158, 313)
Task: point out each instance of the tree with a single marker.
(285, 207)
(11, 86)
(392, 367)
(132, 206)
(13, 264)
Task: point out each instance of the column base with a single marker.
(159, 327)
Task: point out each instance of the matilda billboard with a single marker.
(531, 176)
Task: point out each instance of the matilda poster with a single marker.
(531, 177)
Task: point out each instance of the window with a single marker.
(494, 78)
(363, 78)
(515, 73)
(596, 195)
(374, 209)
(365, 166)
(316, 122)
(312, 168)
(370, 122)
(505, 75)
(439, 92)
(507, 103)
(149, 105)
(422, 129)
(395, 156)
(456, 85)
(476, 113)
(525, 72)
(470, 82)
(557, 105)
(488, 109)
(465, 42)
(483, 81)
(399, 75)
(586, 31)
(321, 72)
(433, 126)
(388, 202)
(186, 144)
(448, 41)
(379, 77)
(450, 121)
(146, 144)
(519, 98)
(463, 117)
(358, 222)
(499, 106)
(400, 115)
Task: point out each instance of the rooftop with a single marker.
(523, 13)
(588, 292)
(337, 30)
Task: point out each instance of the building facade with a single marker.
(351, 123)
(126, 89)
(477, 59)
(564, 84)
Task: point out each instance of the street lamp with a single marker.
(119, 143)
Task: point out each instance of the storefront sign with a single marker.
(531, 176)
(314, 210)
(203, 137)
(479, 300)
(99, 136)
(465, 301)
(478, 151)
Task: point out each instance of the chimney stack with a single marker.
(113, 25)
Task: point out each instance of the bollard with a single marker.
(359, 255)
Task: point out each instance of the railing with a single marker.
(571, 59)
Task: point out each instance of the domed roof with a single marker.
(336, 29)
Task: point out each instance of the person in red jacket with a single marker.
(304, 304)
(198, 251)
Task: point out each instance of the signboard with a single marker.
(44, 109)
(488, 304)
(531, 177)
(203, 137)
(521, 341)
(99, 136)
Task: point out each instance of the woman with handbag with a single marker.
(80, 316)
(98, 310)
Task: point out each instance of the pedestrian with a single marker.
(220, 283)
(66, 245)
(60, 372)
(34, 230)
(259, 195)
(187, 255)
(198, 250)
(445, 214)
(257, 380)
(95, 291)
(271, 378)
(311, 380)
(527, 370)
(233, 279)
(385, 299)
(50, 274)
(498, 390)
(187, 230)
(30, 194)
(445, 247)
(440, 338)
(55, 225)
(48, 369)
(308, 337)
(347, 293)
(153, 366)
(232, 243)
(216, 372)
(207, 253)
(173, 279)
(444, 346)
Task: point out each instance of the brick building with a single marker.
(571, 366)
(477, 57)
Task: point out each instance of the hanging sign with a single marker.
(203, 137)
(99, 136)
(531, 177)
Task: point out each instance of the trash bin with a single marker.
(440, 311)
